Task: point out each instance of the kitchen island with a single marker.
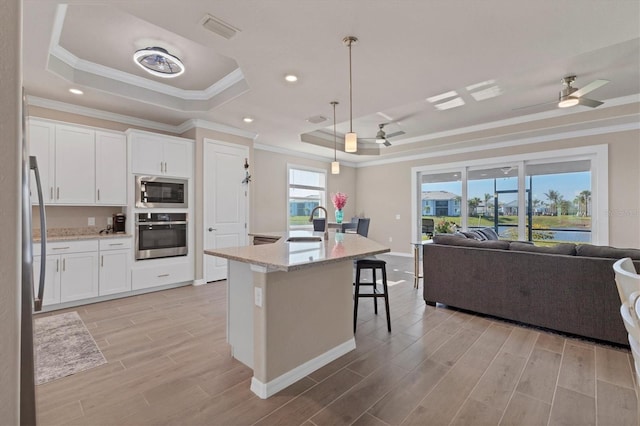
(290, 303)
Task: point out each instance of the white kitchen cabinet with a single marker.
(42, 145)
(51, 294)
(75, 175)
(160, 155)
(78, 165)
(160, 272)
(115, 266)
(111, 168)
(72, 270)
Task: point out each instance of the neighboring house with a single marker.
(510, 208)
(440, 203)
(302, 208)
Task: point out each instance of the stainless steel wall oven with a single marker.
(161, 235)
(157, 191)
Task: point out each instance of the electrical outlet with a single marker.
(91, 221)
(110, 221)
(397, 217)
(257, 293)
(390, 239)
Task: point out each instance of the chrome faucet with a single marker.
(326, 219)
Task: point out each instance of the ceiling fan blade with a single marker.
(387, 143)
(589, 88)
(394, 134)
(589, 102)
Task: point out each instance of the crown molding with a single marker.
(209, 125)
(55, 49)
(512, 142)
(99, 114)
(289, 153)
(558, 112)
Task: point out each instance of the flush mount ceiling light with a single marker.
(157, 61)
(351, 138)
(247, 120)
(76, 91)
(335, 165)
(291, 78)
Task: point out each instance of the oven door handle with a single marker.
(177, 222)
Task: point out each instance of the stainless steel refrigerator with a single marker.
(29, 303)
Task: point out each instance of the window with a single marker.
(307, 190)
(547, 197)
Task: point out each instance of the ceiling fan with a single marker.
(382, 137)
(570, 96)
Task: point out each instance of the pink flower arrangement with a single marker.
(339, 200)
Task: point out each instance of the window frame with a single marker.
(323, 200)
(597, 154)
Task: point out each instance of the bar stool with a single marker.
(373, 264)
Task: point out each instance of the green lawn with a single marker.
(542, 222)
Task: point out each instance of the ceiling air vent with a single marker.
(218, 26)
(316, 119)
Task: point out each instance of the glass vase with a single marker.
(339, 216)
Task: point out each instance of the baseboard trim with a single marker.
(201, 281)
(265, 390)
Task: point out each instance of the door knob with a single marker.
(211, 229)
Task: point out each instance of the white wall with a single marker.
(10, 243)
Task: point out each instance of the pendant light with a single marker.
(335, 165)
(350, 139)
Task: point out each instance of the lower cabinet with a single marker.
(115, 266)
(71, 271)
(159, 273)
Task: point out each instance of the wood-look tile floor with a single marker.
(169, 364)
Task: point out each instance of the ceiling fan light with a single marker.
(351, 142)
(568, 101)
(157, 61)
(335, 167)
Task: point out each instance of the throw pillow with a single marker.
(568, 249)
(452, 240)
(589, 250)
(489, 233)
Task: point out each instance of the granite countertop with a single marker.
(290, 256)
(76, 234)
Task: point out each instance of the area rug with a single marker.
(63, 346)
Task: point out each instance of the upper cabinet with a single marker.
(78, 165)
(111, 168)
(75, 178)
(159, 155)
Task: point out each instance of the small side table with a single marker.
(417, 245)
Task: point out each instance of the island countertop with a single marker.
(291, 256)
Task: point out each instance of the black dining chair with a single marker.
(363, 226)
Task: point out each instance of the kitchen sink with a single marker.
(304, 239)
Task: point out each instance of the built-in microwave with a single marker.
(157, 191)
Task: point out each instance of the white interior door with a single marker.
(225, 202)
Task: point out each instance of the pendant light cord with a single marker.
(335, 144)
(350, 92)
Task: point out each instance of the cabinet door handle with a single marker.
(165, 167)
(64, 265)
(60, 248)
(163, 275)
(58, 194)
(102, 261)
(116, 244)
(98, 195)
(161, 166)
(58, 265)
(51, 192)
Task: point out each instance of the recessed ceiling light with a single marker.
(157, 61)
(247, 120)
(76, 91)
(443, 96)
(453, 103)
(291, 78)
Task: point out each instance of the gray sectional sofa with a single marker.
(569, 288)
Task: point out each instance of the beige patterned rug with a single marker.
(63, 346)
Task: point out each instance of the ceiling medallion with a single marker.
(157, 61)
